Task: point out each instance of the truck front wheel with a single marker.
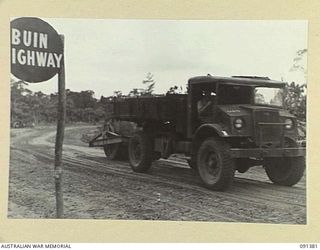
(215, 165)
(140, 152)
(285, 171)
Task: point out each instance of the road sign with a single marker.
(36, 56)
(36, 50)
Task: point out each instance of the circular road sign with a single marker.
(36, 49)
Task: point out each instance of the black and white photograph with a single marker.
(158, 120)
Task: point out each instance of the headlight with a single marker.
(238, 123)
(289, 123)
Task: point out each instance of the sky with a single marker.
(110, 55)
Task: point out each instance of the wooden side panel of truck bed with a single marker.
(172, 108)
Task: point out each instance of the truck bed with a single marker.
(172, 108)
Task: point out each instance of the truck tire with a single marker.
(140, 152)
(285, 171)
(215, 165)
(116, 152)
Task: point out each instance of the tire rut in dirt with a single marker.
(226, 202)
(243, 203)
(78, 167)
(176, 182)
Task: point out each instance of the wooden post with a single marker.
(59, 138)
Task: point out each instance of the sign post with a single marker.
(59, 137)
(37, 55)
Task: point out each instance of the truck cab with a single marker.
(246, 116)
(241, 107)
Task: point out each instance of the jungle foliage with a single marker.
(35, 108)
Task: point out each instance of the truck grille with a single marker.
(271, 133)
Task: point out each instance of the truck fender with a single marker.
(208, 128)
(206, 131)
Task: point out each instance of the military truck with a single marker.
(223, 125)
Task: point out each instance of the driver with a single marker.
(205, 102)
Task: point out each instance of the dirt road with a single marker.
(95, 188)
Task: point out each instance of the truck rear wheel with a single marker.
(116, 152)
(140, 152)
(285, 171)
(111, 151)
(215, 165)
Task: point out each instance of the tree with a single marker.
(295, 94)
(38, 102)
(28, 107)
(175, 90)
(117, 93)
(20, 106)
(149, 82)
(295, 100)
(299, 62)
(135, 92)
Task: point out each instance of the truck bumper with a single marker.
(267, 152)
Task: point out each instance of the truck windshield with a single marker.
(268, 96)
(234, 94)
